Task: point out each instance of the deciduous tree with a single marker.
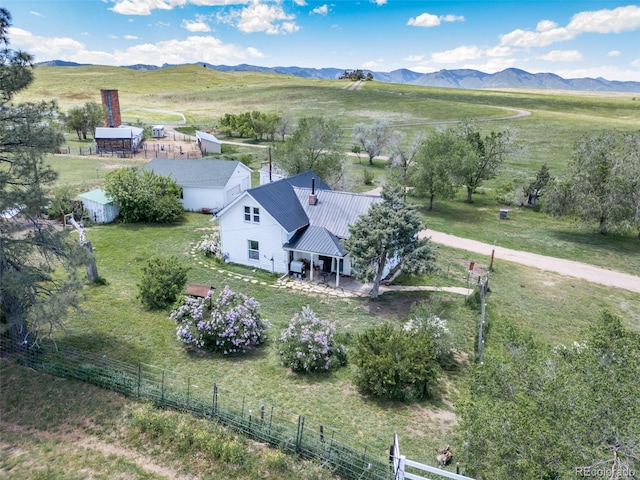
(435, 173)
(314, 145)
(373, 138)
(602, 182)
(533, 408)
(488, 153)
(144, 196)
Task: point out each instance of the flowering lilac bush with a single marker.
(210, 245)
(308, 344)
(229, 323)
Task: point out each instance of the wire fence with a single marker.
(347, 457)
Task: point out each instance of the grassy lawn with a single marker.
(114, 323)
(555, 308)
(53, 428)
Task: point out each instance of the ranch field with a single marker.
(556, 309)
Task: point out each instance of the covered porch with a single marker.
(316, 255)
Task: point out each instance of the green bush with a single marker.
(394, 364)
(367, 176)
(163, 279)
(428, 316)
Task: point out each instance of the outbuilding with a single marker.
(99, 206)
(208, 143)
(206, 185)
(157, 131)
(122, 140)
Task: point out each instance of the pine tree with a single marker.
(38, 263)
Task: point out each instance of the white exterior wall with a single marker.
(100, 213)
(239, 181)
(210, 147)
(264, 177)
(235, 234)
(195, 199)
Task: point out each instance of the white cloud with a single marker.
(36, 14)
(321, 10)
(414, 58)
(562, 56)
(499, 51)
(199, 25)
(190, 50)
(546, 25)
(614, 53)
(145, 7)
(47, 48)
(261, 17)
(130, 37)
(618, 20)
(457, 55)
(636, 63)
(608, 72)
(379, 2)
(430, 20)
(373, 64)
(300, 3)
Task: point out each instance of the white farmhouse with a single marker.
(207, 185)
(297, 220)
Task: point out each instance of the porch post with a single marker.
(337, 272)
(311, 268)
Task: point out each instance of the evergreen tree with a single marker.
(39, 278)
(388, 232)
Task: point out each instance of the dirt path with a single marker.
(569, 268)
(79, 440)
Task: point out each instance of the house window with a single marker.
(248, 217)
(254, 250)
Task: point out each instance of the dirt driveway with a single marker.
(569, 268)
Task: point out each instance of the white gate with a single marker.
(400, 463)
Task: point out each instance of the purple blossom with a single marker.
(230, 323)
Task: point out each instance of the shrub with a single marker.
(229, 323)
(210, 245)
(163, 279)
(308, 344)
(427, 316)
(367, 177)
(395, 365)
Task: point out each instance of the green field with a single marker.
(557, 309)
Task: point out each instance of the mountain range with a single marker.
(459, 78)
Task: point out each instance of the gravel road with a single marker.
(569, 268)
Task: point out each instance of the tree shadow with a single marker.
(97, 343)
(614, 243)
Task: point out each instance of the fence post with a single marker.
(139, 377)
(214, 405)
(299, 434)
(162, 388)
(188, 390)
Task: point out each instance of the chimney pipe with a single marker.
(313, 198)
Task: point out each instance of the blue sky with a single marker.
(588, 38)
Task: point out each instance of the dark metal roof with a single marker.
(334, 210)
(316, 240)
(194, 172)
(279, 199)
(304, 180)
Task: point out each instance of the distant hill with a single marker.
(460, 78)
